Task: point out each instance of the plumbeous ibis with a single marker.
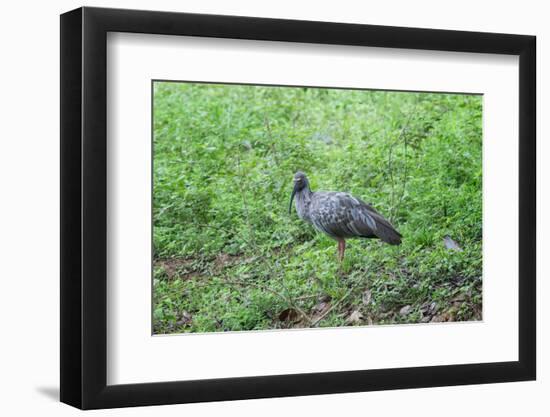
(340, 215)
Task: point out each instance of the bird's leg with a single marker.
(341, 249)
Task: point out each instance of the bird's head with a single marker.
(300, 183)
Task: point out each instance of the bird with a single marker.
(340, 215)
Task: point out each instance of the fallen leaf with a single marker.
(290, 315)
(428, 308)
(448, 315)
(367, 297)
(323, 304)
(405, 310)
(185, 319)
(321, 308)
(355, 318)
(460, 298)
(451, 244)
(439, 318)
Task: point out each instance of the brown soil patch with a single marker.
(176, 268)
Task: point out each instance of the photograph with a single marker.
(284, 207)
(292, 207)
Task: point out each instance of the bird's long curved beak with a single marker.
(291, 198)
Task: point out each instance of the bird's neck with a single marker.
(303, 201)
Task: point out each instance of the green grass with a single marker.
(229, 257)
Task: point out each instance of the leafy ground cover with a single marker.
(229, 257)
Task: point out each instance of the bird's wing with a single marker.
(384, 229)
(342, 215)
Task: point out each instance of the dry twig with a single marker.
(332, 307)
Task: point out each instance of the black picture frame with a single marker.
(84, 207)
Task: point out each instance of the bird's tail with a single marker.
(387, 233)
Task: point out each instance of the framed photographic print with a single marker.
(257, 207)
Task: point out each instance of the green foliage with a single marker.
(228, 256)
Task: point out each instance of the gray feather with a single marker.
(340, 215)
